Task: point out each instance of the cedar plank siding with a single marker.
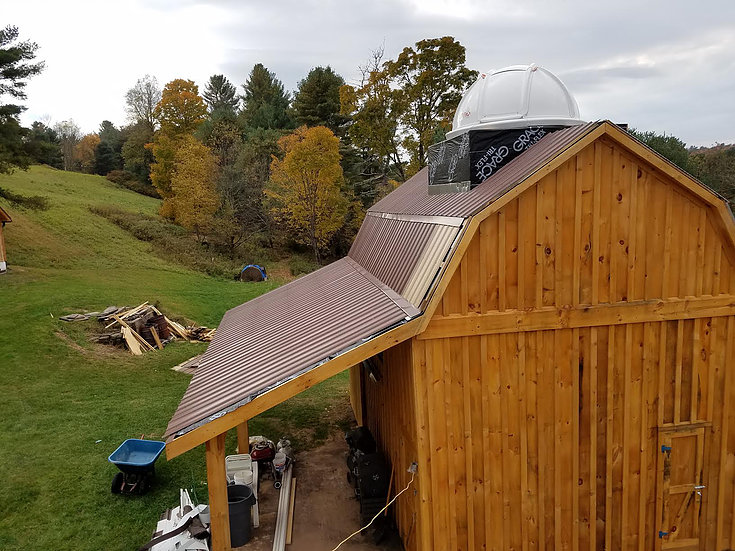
(551, 438)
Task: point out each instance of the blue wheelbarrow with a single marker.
(136, 460)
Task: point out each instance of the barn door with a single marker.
(680, 488)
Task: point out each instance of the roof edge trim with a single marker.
(454, 221)
(410, 310)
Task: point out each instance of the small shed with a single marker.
(4, 219)
(556, 349)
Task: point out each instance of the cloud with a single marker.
(663, 65)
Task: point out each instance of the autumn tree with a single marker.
(84, 153)
(265, 103)
(16, 66)
(179, 113)
(141, 101)
(305, 186)
(69, 135)
(316, 103)
(193, 185)
(221, 95)
(430, 79)
(181, 109)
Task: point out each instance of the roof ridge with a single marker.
(410, 310)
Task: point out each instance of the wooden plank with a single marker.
(633, 235)
(482, 237)
(468, 442)
(506, 369)
(610, 405)
(523, 421)
(542, 420)
(626, 406)
(143, 343)
(496, 535)
(724, 439)
(589, 316)
(196, 437)
(156, 338)
(539, 247)
(217, 489)
(596, 224)
(577, 247)
(701, 231)
(549, 244)
(243, 438)
(423, 444)
(289, 524)
(574, 368)
(502, 284)
(679, 367)
(667, 287)
(132, 343)
(592, 367)
(696, 358)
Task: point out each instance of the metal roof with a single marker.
(394, 263)
(412, 197)
(404, 253)
(292, 329)
(4, 216)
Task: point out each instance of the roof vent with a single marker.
(500, 116)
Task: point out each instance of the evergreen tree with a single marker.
(15, 68)
(136, 157)
(221, 95)
(105, 159)
(266, 103)
(42, 145)
(113, 140)
(316, 103)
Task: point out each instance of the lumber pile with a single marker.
(141, 328)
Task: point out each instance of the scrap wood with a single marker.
(140, 339)
(126, 314)
(177, 328)
(133, 345)
(155, 338)
(189, 366)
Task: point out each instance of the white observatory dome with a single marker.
(515, 97)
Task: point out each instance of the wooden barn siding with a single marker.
(581, 471)
(548, 439)
(389, 414)
(603, 228)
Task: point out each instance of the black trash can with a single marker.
(240, 499)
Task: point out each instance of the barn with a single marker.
(4, 219)
(555, 350)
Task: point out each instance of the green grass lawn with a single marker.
(67, 404)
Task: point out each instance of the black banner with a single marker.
(465, 161)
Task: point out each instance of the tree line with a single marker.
(257, 164)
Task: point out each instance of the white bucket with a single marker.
(244, 477)
(279, 461)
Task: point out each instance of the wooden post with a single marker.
(243, 438)
(2, 248)
(217, 484)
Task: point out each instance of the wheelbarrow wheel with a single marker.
(117, 483)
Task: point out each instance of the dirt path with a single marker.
(325, 510)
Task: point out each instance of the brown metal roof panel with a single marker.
(314, 318)
(389, 248)
(4, 216)
(413, 197)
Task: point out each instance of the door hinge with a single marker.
(665, 449)
(661, 533)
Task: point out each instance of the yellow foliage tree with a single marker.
(84, 152)
(305, 186)
(181, 109)
(179, 113)
(194, 199)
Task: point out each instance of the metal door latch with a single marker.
(665, 449)
(661, 533)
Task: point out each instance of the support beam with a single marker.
(217, 485)
(542, 319)
(243, 437)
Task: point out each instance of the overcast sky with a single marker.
(658, 65)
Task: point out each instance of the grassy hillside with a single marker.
(67, 404)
